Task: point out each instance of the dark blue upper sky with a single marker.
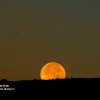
(84, 6)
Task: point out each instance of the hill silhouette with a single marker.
(36, 84)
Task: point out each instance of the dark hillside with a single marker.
(34, 85)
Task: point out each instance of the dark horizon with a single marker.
(73, 78)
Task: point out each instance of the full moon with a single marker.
(52, 70)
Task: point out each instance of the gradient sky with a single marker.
(35, 32)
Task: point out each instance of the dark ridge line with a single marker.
(5, 80)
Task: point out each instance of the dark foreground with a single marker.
(34, 85)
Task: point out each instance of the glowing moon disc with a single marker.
(52, 70)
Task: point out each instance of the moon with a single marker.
(52, 70)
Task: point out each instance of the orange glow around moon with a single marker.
(52, 70)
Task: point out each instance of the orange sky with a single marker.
(33, 35)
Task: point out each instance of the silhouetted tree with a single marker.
(3, 80)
